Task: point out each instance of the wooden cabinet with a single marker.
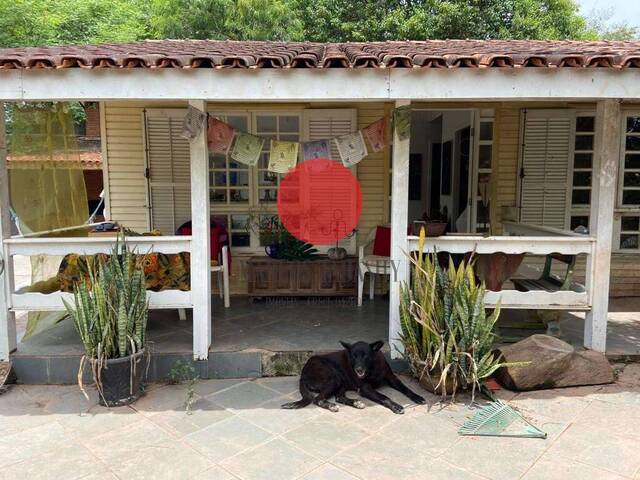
(321, 277)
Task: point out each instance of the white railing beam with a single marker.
(94, 245)
(505, 244)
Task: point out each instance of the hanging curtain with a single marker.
(46, 183)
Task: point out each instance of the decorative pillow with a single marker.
(382, 242)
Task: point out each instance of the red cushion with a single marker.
(382, 242)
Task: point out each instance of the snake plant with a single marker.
(110, 307)
(445, 329)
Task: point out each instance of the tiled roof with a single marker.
(403, 54)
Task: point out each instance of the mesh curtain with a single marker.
(46, 184)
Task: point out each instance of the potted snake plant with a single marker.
(110, 312)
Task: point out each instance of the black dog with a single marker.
(360, 367)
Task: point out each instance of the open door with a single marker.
(445, 171)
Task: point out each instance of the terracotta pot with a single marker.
(435, 229)
(337, 253)
(496, 268)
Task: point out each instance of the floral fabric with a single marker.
(162, 271)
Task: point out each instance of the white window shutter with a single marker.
(168, 163)
(328, 123)
(546, 152)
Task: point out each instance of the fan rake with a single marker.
(494, 419)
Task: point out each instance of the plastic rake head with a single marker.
(500, 420)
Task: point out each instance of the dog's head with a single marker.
(361, 356)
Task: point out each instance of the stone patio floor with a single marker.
(238, 431)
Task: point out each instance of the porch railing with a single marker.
(91, 246)
(524, 239)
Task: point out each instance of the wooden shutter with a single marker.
(546, 149)
(321, 124)
(168, 170)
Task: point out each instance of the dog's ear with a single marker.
(375, 346)
(347, 346)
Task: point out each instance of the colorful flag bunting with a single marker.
(402, 122)
(247, 149)
(283, 156)
(352, 148)
(376, 134)
(315, 150)
(192, 123)
(219, 136)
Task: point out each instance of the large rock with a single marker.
(554, 364)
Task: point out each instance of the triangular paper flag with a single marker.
(315, 150)
(376, 134)
(283, 156)
(352, 148)
(219, 136)
(192, 123)
(247, 149)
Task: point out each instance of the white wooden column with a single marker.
(200, 249)
(399, 217)
(7, 318)
(603, 200)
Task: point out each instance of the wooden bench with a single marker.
(547, 280)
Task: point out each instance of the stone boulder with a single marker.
(554, 364)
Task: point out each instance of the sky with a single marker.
(627, 11)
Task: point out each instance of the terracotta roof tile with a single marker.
(399, 54)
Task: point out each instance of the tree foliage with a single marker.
(56, 22)
(50, 22)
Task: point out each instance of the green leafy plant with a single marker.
(110, 309)
(274, 234)
(446, 332)
(185, 373)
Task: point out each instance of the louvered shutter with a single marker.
(545, 163)
(168, 163)
(321, 124)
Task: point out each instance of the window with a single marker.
(276, 127)
(630, 171)
(630, 232)
(628, 211)
(237, 189)
(229, 180)
(582, 171)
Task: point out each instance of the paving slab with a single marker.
(276, 459)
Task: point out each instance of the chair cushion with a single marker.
(382, 242)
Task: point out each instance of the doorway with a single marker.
(447, 181)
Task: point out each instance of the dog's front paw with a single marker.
(333, 407)
(358, 404)
(397, 409)
(419, 400)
